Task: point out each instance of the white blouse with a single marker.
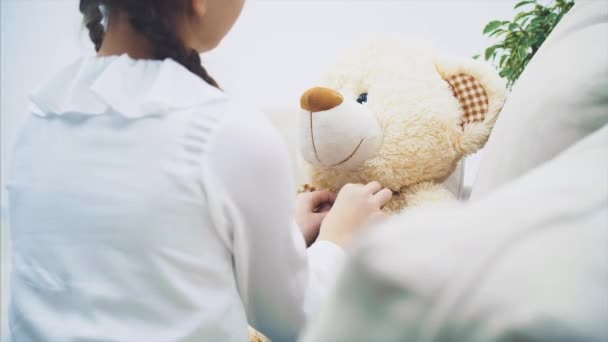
(145, 205)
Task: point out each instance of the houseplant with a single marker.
(520, 38)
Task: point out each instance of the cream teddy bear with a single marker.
(400, 115)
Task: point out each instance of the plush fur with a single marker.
(256, 336)
(410, 128)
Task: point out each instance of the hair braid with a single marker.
(157, 29)
(92, 20)
(154, 19)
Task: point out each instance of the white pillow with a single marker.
(560, 98)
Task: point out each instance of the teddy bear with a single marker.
(397, 113)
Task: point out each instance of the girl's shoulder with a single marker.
(124, 86)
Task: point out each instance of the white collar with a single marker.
(120, 84)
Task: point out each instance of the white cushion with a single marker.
(559, 99)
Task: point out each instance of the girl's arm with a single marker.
(278, 279)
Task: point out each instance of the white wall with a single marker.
(278, 47)
(37, 38)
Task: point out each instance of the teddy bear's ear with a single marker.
(481, 94)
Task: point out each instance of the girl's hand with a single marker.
(355, 206)
(311, 209)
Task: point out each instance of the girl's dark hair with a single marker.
(155, 20)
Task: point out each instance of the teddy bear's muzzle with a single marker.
(336, 131)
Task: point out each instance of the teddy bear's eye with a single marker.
(362, 98)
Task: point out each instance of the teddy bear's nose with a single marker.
(318, 99)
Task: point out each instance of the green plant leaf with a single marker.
(491, 26)
(524, 23)
(497, 33)
(521, 52)
(517, 41)
(513, 26)
(537, 20)
(522, 15)
(522, 3)
(490, 51)
(503, 58)
(476, 56)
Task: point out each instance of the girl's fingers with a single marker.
(373, 187)
(323, 208)
(321, 215)
(383, 196)
(322, 197)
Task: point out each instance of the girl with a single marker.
(147, 206)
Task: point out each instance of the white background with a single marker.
(275, 51)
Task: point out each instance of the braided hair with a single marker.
(154, 19)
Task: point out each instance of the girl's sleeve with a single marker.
(280, 282)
